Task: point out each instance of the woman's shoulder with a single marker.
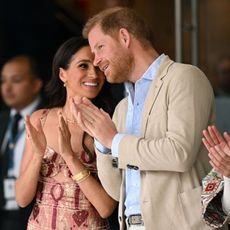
(43, 113)
(39, 113)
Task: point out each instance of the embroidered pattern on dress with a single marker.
(212, 211)
(63, 206)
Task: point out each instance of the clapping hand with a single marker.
(96, 122)
(36, 136)
(218, 147)
(64, 137)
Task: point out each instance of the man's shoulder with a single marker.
(188, 72)
(123, 103)
(4, 114)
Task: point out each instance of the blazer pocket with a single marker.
(191, 207)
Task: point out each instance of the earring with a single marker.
(65, 84)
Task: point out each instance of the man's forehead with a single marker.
(94, 33)
(95, 37)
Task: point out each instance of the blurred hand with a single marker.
(218, 147)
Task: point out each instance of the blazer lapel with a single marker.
(155, 89)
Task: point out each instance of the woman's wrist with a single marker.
(81, 176)
(74, 164)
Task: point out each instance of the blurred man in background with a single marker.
(20, 88)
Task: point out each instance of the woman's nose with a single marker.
(92, 72)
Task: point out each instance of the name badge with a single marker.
(9, 188)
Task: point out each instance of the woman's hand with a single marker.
(64, 138)
(36, 136)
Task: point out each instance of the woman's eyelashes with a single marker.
(84, 65)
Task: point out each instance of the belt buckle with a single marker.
(135, 220)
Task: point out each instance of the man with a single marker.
(20, 88)
(156, 134)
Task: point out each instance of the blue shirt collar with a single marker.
(148, 75)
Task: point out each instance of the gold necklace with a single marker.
(67, 119)
(71, 121)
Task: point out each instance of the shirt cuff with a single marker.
(115, 144)
(101, 148)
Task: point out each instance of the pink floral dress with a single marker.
(63, 206)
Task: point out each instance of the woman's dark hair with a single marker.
(55, 90)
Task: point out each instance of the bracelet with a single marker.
(81, 176)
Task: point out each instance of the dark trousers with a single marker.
(113, 220)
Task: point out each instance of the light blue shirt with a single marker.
(136, 97)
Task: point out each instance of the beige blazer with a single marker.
(169, 153)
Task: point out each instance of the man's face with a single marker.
(112, 57)
(18, 86)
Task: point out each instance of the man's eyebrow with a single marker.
(94, 47)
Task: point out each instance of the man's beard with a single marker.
(120, 69)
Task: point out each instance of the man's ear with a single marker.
(124, 37)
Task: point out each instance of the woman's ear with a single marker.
(124, 37)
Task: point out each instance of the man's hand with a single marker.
(96, 122)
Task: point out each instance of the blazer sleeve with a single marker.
(212, 191)
(108, 172)
(109, 175)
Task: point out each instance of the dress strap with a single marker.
(44, 116)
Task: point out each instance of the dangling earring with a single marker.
(65, 84)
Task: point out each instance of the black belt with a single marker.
(135, 220)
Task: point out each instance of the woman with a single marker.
(59, 163)
(216, 185)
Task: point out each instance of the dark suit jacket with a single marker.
(4, 120)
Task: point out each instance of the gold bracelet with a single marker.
(81, 176)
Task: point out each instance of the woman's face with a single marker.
(81, 78)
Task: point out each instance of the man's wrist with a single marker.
(101, 148)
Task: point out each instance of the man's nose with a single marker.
(97, 60)
(6, 86)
